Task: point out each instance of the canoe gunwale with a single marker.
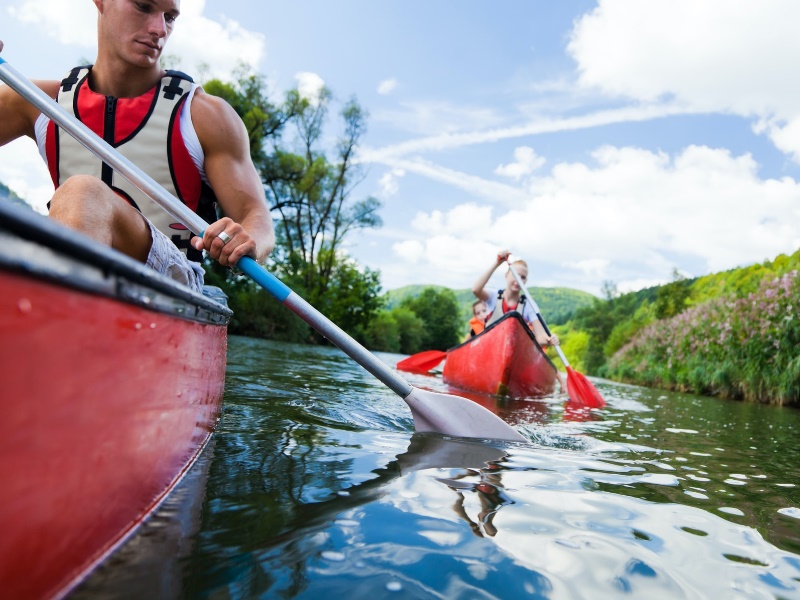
(36, 246)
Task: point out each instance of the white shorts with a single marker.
(165, 258)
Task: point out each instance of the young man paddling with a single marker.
(192, 143)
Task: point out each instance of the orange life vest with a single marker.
(476, 326)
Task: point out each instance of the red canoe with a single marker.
(112, 385)
(504, 359)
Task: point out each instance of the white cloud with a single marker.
(449, 260)
(221, 45)
(631, 217)
(526, 162)
(594, 267)
(439, 118)
(310, 86)
(387, 86)
(786, 136)
(70, 22)
(476, 186)
(409, 250)
(464, 220)
(389, 182)
(449, 141)
(712, 56)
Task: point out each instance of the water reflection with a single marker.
(514, 411)
(319, 487)
(442, 514)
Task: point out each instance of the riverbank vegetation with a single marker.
(746, 347)
(734, 334)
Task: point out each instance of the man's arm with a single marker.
(17, 115)
(235, 182)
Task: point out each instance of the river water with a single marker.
(316, 486)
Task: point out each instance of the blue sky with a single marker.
(611, 140)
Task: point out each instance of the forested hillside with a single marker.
(557, 304)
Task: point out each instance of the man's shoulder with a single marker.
(208, 103)
(216, 122)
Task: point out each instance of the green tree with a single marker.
(353, 297)
(440, 313)
(263, 119)
(311, 198)
(625, 330)
(411, 329)
(396, 330)
(255, 312)
(672, 298)
(382, 333)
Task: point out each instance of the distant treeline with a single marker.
(557, 304)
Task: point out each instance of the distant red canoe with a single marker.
(504, 359)
(112, 385)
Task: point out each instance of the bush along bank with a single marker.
(745, 348)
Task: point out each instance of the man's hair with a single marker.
(520, 262)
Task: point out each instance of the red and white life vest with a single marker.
(146, 130)
(501, 308)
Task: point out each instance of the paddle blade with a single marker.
(422, 362)
(457, 416)
(582, 390)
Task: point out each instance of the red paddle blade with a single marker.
(581, 390)
(422, 362)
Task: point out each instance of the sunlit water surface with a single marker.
(316, 486)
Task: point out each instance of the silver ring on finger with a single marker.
(224, 237)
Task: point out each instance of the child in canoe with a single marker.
(480, 312)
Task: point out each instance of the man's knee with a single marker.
(79, 192)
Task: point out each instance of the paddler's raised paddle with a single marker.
(439, 413)
(579, 388)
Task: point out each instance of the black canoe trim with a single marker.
(34, 245)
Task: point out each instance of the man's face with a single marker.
(137, 30)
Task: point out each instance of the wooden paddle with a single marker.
(579, 388)
(422, 362)
(433, 412)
